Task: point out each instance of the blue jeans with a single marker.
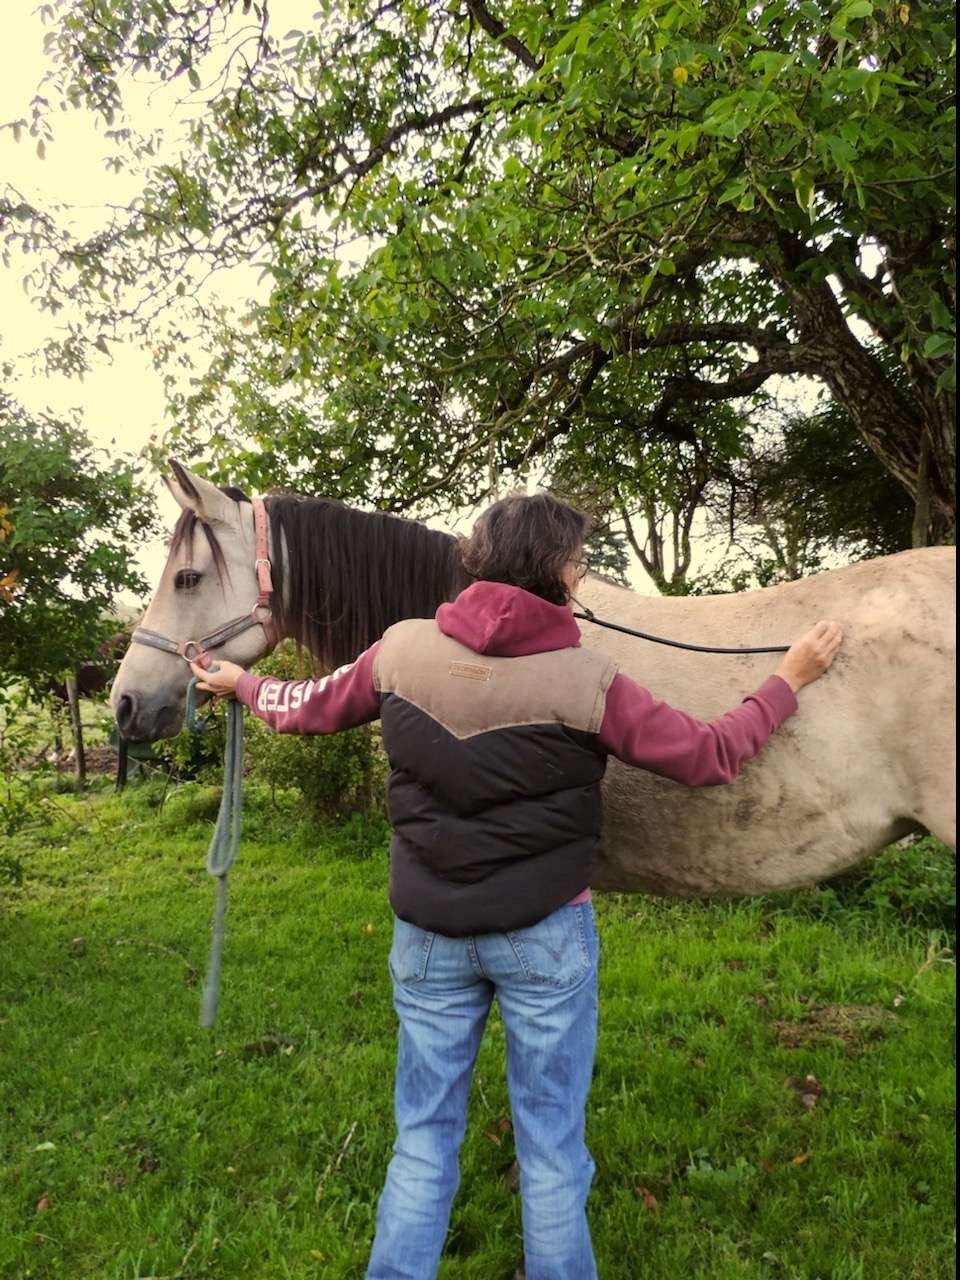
(545, 981)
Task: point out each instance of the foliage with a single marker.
(583, 231)
(69, 521)
(605, 552)
(804, 493)
(23, 802)
(912, 885)
(334, 774)
(821, 475)
(192, 756)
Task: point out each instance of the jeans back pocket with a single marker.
(409, 952)
(558, 950)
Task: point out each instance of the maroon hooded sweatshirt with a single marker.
(497, 725)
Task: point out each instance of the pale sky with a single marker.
(121, 399)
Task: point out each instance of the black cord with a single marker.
(587, 616)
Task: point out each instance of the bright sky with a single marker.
(121, 398)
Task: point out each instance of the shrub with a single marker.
(193, 757)
(23, 804)
(911, 884)
(914, 883)
(334, 774)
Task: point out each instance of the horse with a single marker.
(868, 758)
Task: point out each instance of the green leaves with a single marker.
(486, 252)
(69, 523)
(850, 12)
(803, 188)
(939, 345)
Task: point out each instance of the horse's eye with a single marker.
(186, 579)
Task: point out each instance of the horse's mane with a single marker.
(351, 574)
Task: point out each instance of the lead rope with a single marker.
(589, 616)
(224, 841)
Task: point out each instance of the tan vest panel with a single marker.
(470, 693)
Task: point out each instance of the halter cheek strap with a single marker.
(265, 580)
(259, 616)
(264, 572)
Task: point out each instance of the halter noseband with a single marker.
(259, 616)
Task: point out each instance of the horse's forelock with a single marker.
(183, 535)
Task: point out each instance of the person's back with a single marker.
(495, 761)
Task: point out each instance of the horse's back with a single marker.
(868, 757)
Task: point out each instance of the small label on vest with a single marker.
(470, 670)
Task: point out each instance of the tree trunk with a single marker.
(921, 516)
(939, 411)
(893, 424)
(76, 728)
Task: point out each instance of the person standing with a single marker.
(498, 724)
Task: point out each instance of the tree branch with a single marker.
(498, 32)
(361, 168)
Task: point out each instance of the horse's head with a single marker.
(208, 582)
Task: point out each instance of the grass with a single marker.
(133, 1144)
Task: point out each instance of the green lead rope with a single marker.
(224, 841)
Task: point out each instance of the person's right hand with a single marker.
(811, 655)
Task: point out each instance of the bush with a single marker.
(916, 884)
(913, 885)
(193, 757)
(334, 774)
(22, 802)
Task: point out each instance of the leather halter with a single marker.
(259, 616)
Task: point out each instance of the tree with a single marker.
(806, 493)
(69, 522)
(585, 229)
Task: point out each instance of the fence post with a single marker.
(76, 728)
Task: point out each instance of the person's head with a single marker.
(534, 542)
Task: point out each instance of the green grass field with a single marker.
(133, 1144)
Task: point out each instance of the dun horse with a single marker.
(868, 758)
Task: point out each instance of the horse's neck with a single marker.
(410, 569)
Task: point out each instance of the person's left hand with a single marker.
(221, 679)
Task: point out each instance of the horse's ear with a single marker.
(194, 493)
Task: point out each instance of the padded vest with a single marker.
(494, 791)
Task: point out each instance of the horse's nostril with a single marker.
(124, 713)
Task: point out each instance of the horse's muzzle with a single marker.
(147, 720)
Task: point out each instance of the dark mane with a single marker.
(351, 574)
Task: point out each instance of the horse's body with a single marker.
(869, 756)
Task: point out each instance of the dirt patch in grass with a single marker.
(851, 1024)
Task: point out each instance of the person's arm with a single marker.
(641, 731)
(342, 700)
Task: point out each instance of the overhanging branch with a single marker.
(498, 32)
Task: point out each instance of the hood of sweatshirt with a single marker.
(507, 622)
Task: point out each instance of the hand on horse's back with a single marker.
(811, 655)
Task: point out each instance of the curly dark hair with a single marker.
(526, 540)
